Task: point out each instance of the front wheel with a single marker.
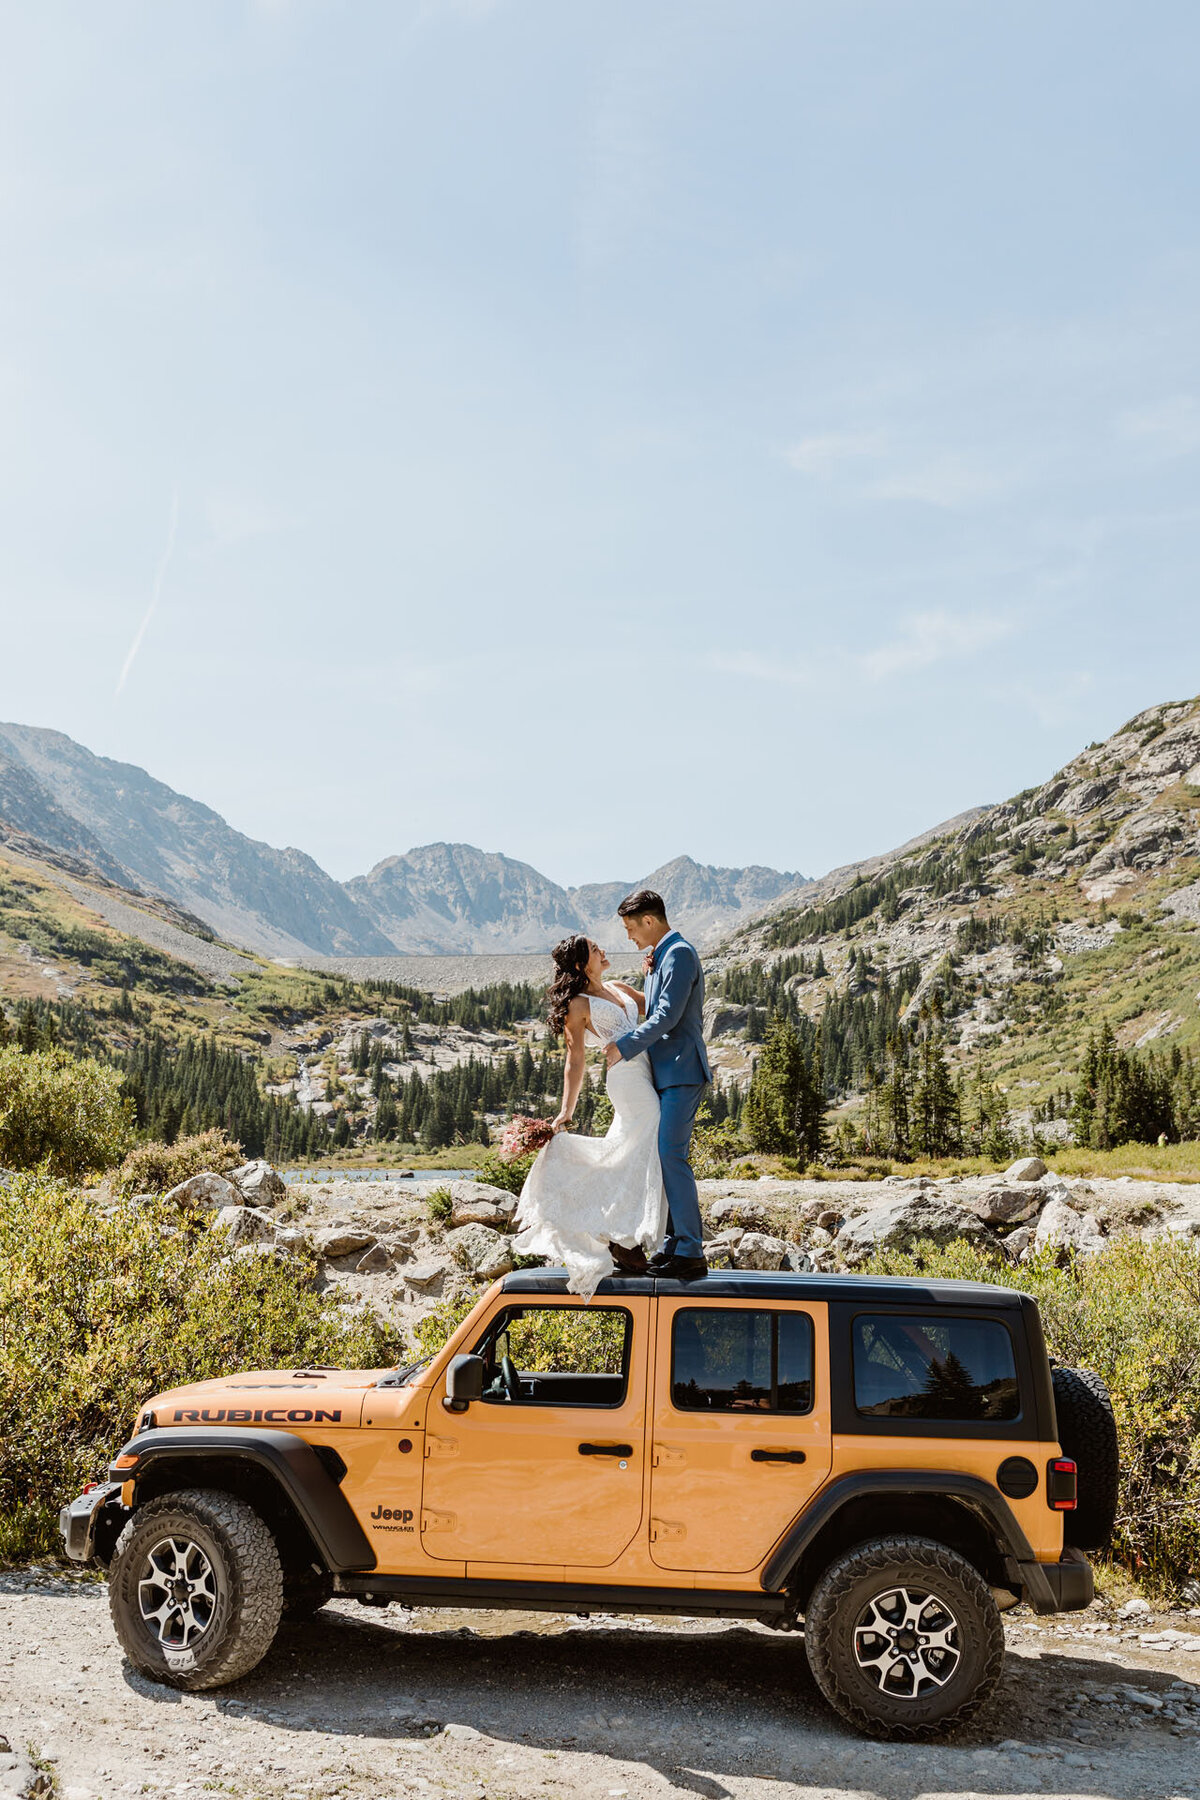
(903, 1637)
(195, 1589)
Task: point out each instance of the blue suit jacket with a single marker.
(672, 1033)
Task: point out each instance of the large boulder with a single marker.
(344, 1240)
(1026, 1168)
(480, 1251)
(1005, 1205)
(478, 1203)
(758, 1250)
(1065, 1229)
(905, 1221)
(245, 1224)
(204, 1193)
(260, 1183)
(734, 1211)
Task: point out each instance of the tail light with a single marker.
(1062, 1484)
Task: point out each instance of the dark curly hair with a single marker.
(571, 959)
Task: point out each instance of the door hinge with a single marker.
(665, 1530)
(664, 1457)
(436, 1521)
(440, 1446)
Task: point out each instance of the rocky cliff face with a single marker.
(1031, 922)
(439, 899)
(443, 898)
(143, 834)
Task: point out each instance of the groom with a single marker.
(672, 1036)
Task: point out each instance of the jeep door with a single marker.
(741, 1429)
(547, 1468)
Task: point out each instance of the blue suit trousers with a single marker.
(685, 1233)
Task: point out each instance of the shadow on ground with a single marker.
(702, 1708)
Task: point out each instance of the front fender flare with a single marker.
(979, 1496)
(291, 1463)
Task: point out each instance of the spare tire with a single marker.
(1087, 1433)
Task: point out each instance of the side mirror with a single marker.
(464, 1383)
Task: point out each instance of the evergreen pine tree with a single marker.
(770, 1111)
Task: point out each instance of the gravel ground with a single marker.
(370, 1705)
(210, 959)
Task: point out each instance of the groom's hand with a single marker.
(612, 1055)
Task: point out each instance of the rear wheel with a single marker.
(903, 1638)
(1087, 1432)
(195, 1588)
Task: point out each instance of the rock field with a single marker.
(379, 1242)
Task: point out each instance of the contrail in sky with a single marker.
(159, 578)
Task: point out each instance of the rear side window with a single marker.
(917, 1368)
(734, 1359)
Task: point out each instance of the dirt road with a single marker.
(372, 1705)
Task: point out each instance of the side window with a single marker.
(934, 1368)
(733, 1359)
(557, 1356)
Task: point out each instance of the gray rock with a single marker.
(1134, 1609)
(260, 1183)
(292, 1238)
(1026, 1168)
(1018, 1242)
(344, 1240)
(18, 1776)
(1006, 1205)
(758, 1250)
(423, 1275)
(482, 1193)
(480, 1251)
(204, 1193)
(1068, 1230)
(244, 1224)
(797, 1261)
(374, 1262)
(905, 1221)
(734, 1211)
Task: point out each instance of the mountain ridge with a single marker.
(440, 899)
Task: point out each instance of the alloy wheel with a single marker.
(908, 1642)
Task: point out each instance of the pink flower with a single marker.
(522, 1136)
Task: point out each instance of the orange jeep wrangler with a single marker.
(890, 1462)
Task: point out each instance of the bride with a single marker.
(593, 1203)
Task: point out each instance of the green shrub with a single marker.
(506, 1173)
(100, 1309)
(156, 1168)
(440, 1205)
(1132, 1314)
(66, 1112)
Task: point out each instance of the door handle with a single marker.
(792, 1456)
(606, 1449)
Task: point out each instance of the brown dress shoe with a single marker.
(629, 1262)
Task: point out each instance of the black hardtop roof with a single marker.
(758, 1284)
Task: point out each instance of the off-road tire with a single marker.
(241, 1553)
(305, 1592)
(843, 1595)
(1087, 1432)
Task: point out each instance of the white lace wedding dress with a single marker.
(584, 1193)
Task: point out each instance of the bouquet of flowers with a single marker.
(523, 1136)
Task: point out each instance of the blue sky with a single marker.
(596, 432)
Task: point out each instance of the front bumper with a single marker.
(1066, 1586)
(89, 1526)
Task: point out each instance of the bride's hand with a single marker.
(561, 1122)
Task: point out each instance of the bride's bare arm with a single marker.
(634, 994)
(576, 1060)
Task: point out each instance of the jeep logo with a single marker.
(402, 1517)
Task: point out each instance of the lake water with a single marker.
(427, 1177)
